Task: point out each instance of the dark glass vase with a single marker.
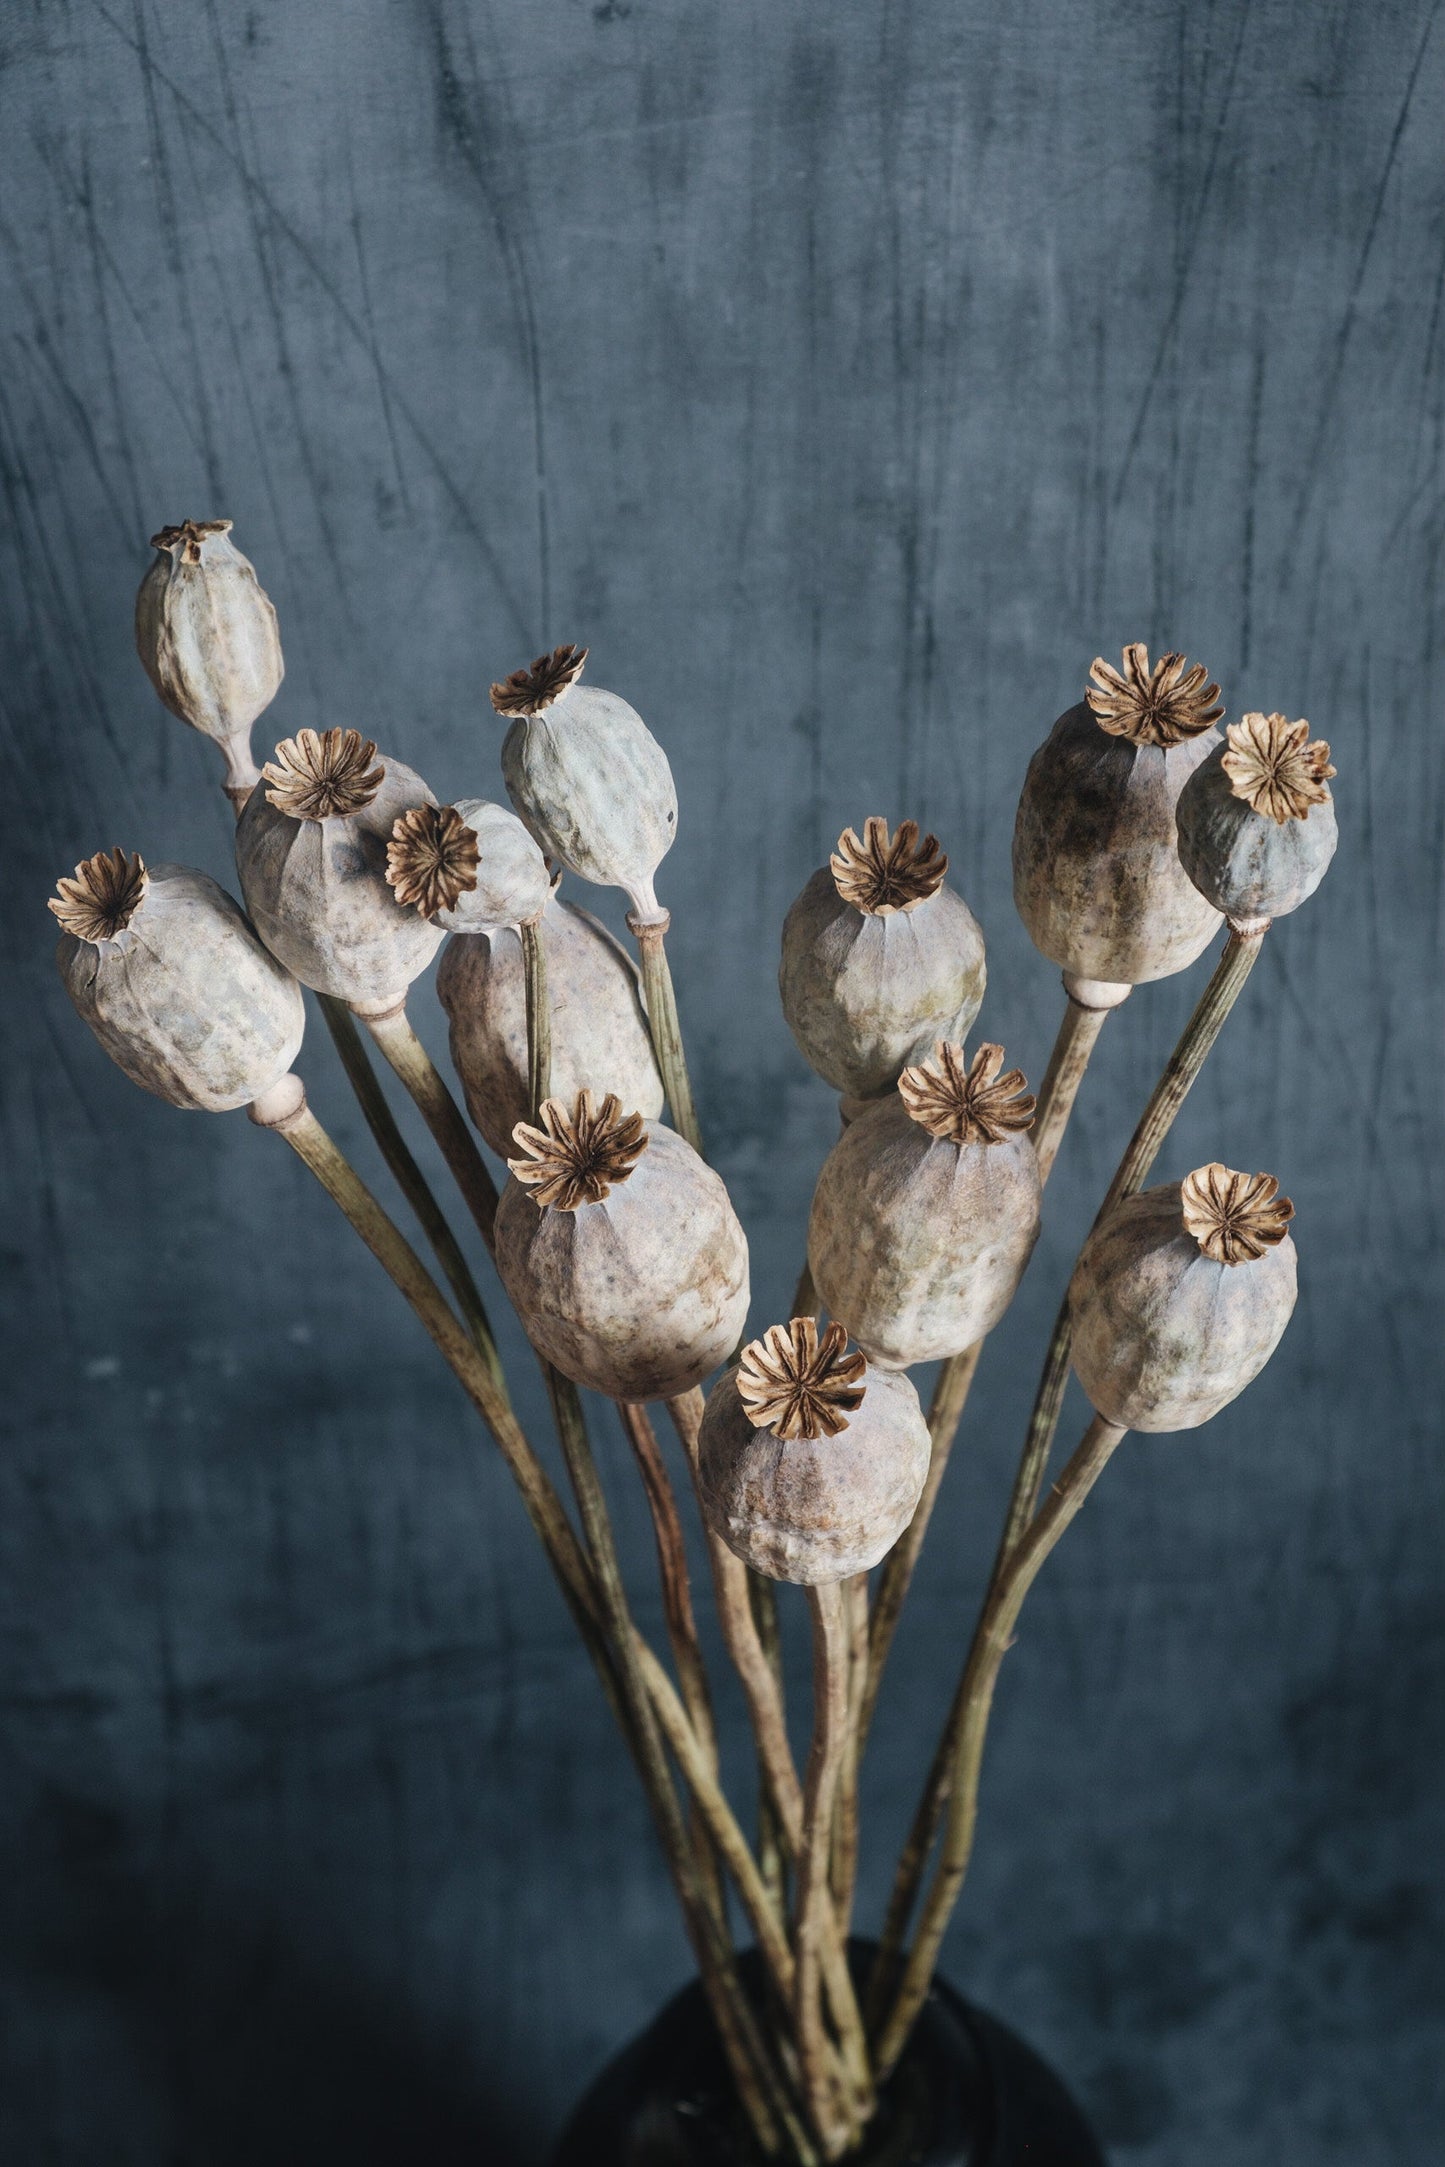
(968, 2093)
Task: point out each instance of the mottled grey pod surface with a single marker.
(1241, 861)
(917, 1244)
(1096, 872)
(186, 1000)
(512, 878)
(821, 1508)
(599, 1028)
(595, 788)
(865, 994)
(1163, 1336)
(640, 1295)
(317, 893)
(205, 631)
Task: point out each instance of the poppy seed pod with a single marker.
(880, 959)
(599, 1029)
(164, 968)
(1181, 1296)
(1257, 822)
(311, 851)
(206, 634)
(927, 1210)
(810, 1463)
(620, 1251)
(587, 776)
(469, 867)
(1096, 872)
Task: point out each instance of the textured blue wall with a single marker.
(847, 377)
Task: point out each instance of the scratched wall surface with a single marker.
(847, 378)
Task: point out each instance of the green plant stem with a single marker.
(410, 1179)
(990, 1643)
(662, 1022)
(539, 1018)
(828, 1608)
(420, 1076)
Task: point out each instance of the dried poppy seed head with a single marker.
(967, 1103)
(104, 896)
(878, 876)
(1272, 765)
(432, 858)
(797, 1384)
(185, 540)
(578, 1157)
(1234, 1217)
(528, 692)
(320, 774)
(1162, 706)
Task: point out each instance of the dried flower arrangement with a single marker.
(1139, 831)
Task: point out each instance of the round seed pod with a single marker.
(311, 851)
(880, 959)
(599, 1028)
(620, 1251)
(163, 967)
(206, 634)
(810, 1463)
(927, 1210)
(587, 776)
(1256, 820)
(1181, 1296)
(469, 867)
(1097, 878)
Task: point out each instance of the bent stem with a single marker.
(662, 1022)
(539, 1017)
(828, 1607)
(990, 1644)
(419, 1074)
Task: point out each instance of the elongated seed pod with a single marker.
(810, 1462)
(927, 1210)
(206, 635)
(173, 982)
(1097, 878)
(1181, 1296)
(620, 1251)
(879, 959)
(1256, 820)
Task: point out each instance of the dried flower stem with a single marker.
(990, 1644)
(828, 1607)
(1169, 1094)
(662, 1022)
(844, 1869)
(418, 1072)
(539, 1018)
(772, 1852)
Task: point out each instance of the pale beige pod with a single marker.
(810, 1462)
(1181, 1296)
(620, 1251)
(1096, 871)
(173, 982)
(880, 958)
(926, 1210)
(469, 867)
(311, 849)
(587, 776)
(206, 635)
(599, 1029)
(1257, 822)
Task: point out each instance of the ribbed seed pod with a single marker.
(599, 1030)
(587, 776)
(206, 634)
(927, 1210)
(879, 960)
(620, 1251)
(469, 867)
(1181, 1296)
(163, 967)
(1257, 822)
(311, 850)
(1097, 878)
(810, 1463)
